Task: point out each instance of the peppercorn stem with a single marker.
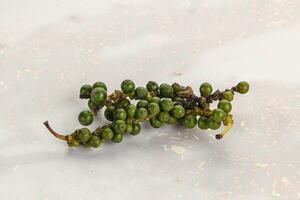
(187, 93)
(57, 135)
(228, 122)
(224, 132)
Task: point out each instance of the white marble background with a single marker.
(48, 49)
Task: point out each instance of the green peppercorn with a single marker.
(83, 135)
(141, 113)
(176, 88)
(178, 111)
(94, 141)
(136, 129)
(141, 93)
(86, 118)
(98, 95)
(149, 97)
(177, 99)
(213, 124)
(117, 138)
(152, 86)
(206, 89)
(243, 87)
(107, 134)
(119, 126)
(109, 113)
(123, 103)
(153, 109)
(142, 104)
(166, 91)
(100, 85)
(167, 105)
(92, 105)
(190, 121)
(155, 123)
(121, 114)
(128, 128)
(202, 123)
(172, 120)
(228, 95)
(131, 109)
(128, 86)
(218, 115)
(155, 100)
(164, 116)
(225, 105)
(85, 91)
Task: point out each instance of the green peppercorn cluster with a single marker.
(162, 104)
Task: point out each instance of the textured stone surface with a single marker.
(48, 49)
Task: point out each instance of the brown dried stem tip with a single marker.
(57, 135)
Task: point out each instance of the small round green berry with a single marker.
(149, 97)
(109, 113)
(152, 86)
(228, 95)
(94, 141)
(164, 116)
(141, 93)
(190, 121)
(92, 105)
(218, 115)
(86, 118)
(202, 123)
(155, 123)
(167, 105)
(98, 95)
(176, 88)
(85, 91)
(136, 129)
(155, 100)
(100, 85)
(107, 134)
(213, 124)
(243, 87)
(166, 91)
(141, 114)
(119, 126)
(153, 109)
(117, 138)
(225, 105)
(128, 128)
(83, 135)
(177, 99)
(178, 111)
(131, 109)
(120, 114)
(172, 120)
(123, 103)
(128, 86)
(142, 104)
(206, 89)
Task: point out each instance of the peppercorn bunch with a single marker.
(161, 104)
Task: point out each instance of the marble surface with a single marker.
(48, 49)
